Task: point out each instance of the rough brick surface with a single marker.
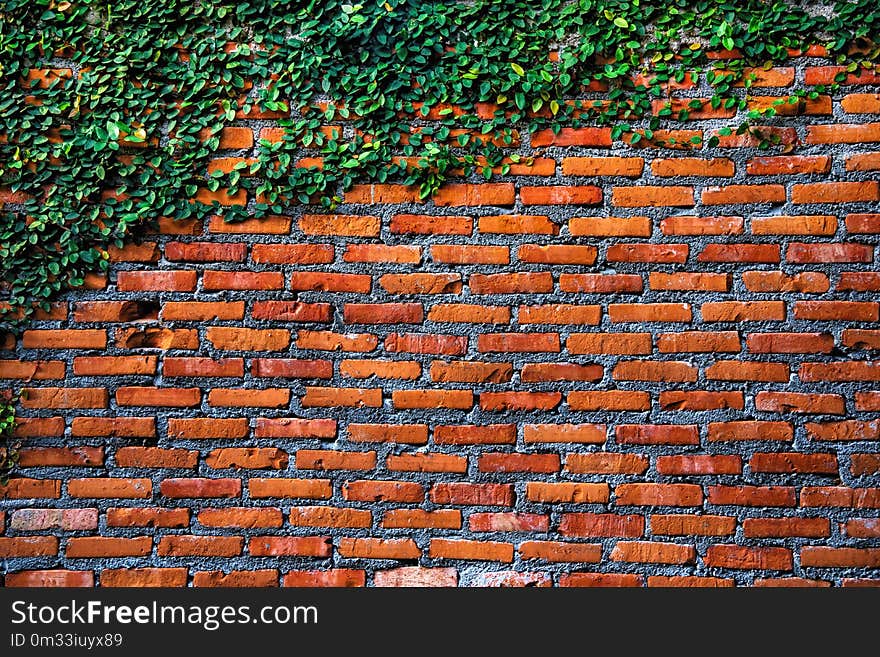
(619, 366)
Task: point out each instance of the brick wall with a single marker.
(618, 365)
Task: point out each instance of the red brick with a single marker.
(470, 434)
(72, 398)
(416, 576)
(601, 525)
(752, 495)
(203, 367)
(599, 283)
(497, 194)
(699, 465)
(107, 487)
(461, 399)
(765, 253)
(748, 558)
(646, 196)
(383, 491)
(689, 581)
(567, 492)
(382, 253)
(469, 314)
(205, 251)
(794, 463)
(314, 459)
(750, 430)
(836, 192)
(200, 546)
(382, 369)
(847, 133)
(609, 343)
(558, 552)
(426, 462)
(471, 372)
(420, 519)
(784, 527)
(207, 428)
(466, 494)
(863, 223)
(692, 525)
(769, 281)
(698, 341)
(28, 546)
(795, 225)
(789, 343)
(732, 370)
(508, 522)
(442, 548)
(337, 577)
(595, 137)
(286, 254)
(147, 517)
(719, 167)
(538, 372)
(85, 547)
(375, 548)
(156, 457)
(345, 225)
(517, 224)
(743, 194)
(659, 253)
(462, 255)
(561, 195)
(629, 167)
(645, 370)
(846, 430)
(702, 226)
(159, 281)
(451, 345)
(606, 463)
(80, 455)
(600, 580)
(514, 283)
(56, 578)
(431, 225)
(788, 165)
(329, 341)
(859, 311)
(650, 552)
(843, 557)
(659, 495)
(501, 462)
(332, 397)
(519, 401)
(657, 434)
(290, 546)
(200, 487)
(681, 282)
(743, 311)
(801, 253)
(518, 342)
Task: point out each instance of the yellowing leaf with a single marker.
(517, 69)
(621, 22)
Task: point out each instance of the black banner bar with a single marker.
(88, 621)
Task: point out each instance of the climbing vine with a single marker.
(111, 110)
(9, 446)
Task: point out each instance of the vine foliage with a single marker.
(9, 446)
(111, 110)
